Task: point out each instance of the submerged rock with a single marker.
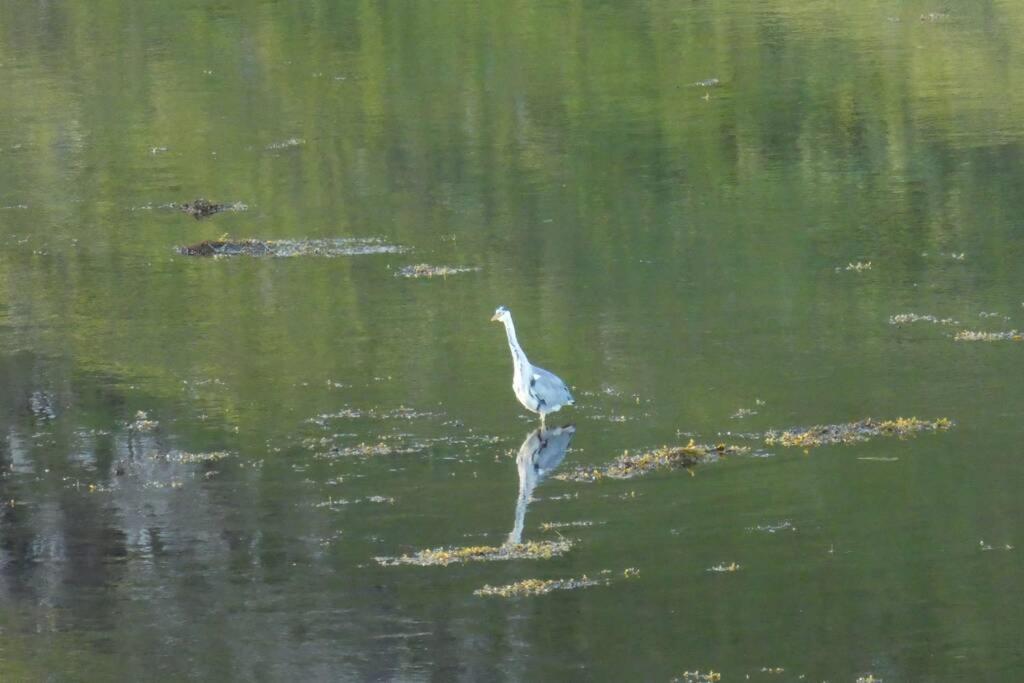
(287, 248)
(854, 432)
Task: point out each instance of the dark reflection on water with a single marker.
(540, 454)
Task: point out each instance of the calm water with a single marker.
(676, 252)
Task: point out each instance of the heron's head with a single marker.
(501, 314)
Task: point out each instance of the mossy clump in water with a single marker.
(970, 335)
(533, 550)
(362, 450)
(906, 318)
(551, 526)
(188, 458)
(202, 208)
(142, 423)
(854, 432)
(427, 270)
(288, 248)
(629, 465)
(709, 677)
(531, 587)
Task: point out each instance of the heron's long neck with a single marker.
(518, 357)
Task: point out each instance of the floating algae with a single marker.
(854, 432)
(970, 335)
(857, 267)
(286, 144)
(336, 503)
(627, 465)
(709, 677)
(551, 526)
(142, 423)
(427, 270)
(905, 318)
(773, 528)
(341, 246)
(187, 458)
(399, 413)
(364, 450)
(719, 568)
(530, 587)
(203, 208)
(533, 550)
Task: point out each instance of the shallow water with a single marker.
(692, 259)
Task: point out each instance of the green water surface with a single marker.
(676, 252)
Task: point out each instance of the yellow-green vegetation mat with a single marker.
(534, 550)
(629, 465)
(854, 432)
(427, 270)
(970, 335)
(531, 587)
(341, 246)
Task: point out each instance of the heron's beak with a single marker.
(495, 318)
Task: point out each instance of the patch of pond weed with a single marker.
(533, 550)
(342, 246)
(629, 465)
(425, 270)
(854, 432)
(972, 335)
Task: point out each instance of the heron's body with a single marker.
(539, 390)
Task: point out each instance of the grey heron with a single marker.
(537, 389)
(539, 455)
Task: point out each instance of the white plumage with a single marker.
(537, 389)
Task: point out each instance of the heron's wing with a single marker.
(547, 387)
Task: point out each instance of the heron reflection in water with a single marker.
(541, 453)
